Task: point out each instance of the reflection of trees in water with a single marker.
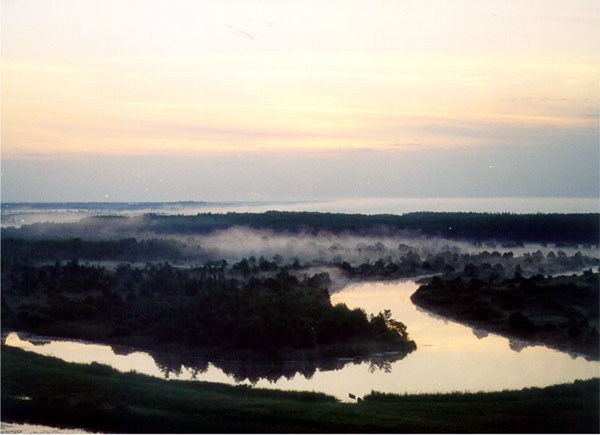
(24, 336)
(252, 371)
(380, 364)
(122, 350)
(480, 333)
(273, 371)
(431, 314)
(518, 345)
(39, 341)
(172, 364)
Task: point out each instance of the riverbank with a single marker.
(45, 390)
(559, 312)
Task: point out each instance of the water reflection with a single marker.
(450, 357)
(242, 371)
(36, 428)
(480, 333)
(518, 345)
(178, 366)
(174, 365)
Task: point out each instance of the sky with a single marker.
(264, 100)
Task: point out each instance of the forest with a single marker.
(211, 307)
(540, 228)
(357, 261)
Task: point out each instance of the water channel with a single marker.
(450, 357)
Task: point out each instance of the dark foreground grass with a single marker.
(48, 391)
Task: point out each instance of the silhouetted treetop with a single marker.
(564, 228)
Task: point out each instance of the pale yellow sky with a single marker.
(183, 77)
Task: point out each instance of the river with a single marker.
(450, 357)
(36, 428)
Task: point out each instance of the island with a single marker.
(559, 312)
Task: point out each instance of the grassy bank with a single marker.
(48, 391)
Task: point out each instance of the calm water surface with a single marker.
(35, 428)
(450, 357)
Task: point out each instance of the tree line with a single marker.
(206, 306)
(542, 228)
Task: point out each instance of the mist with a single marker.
(306, 247)
(17, 214)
